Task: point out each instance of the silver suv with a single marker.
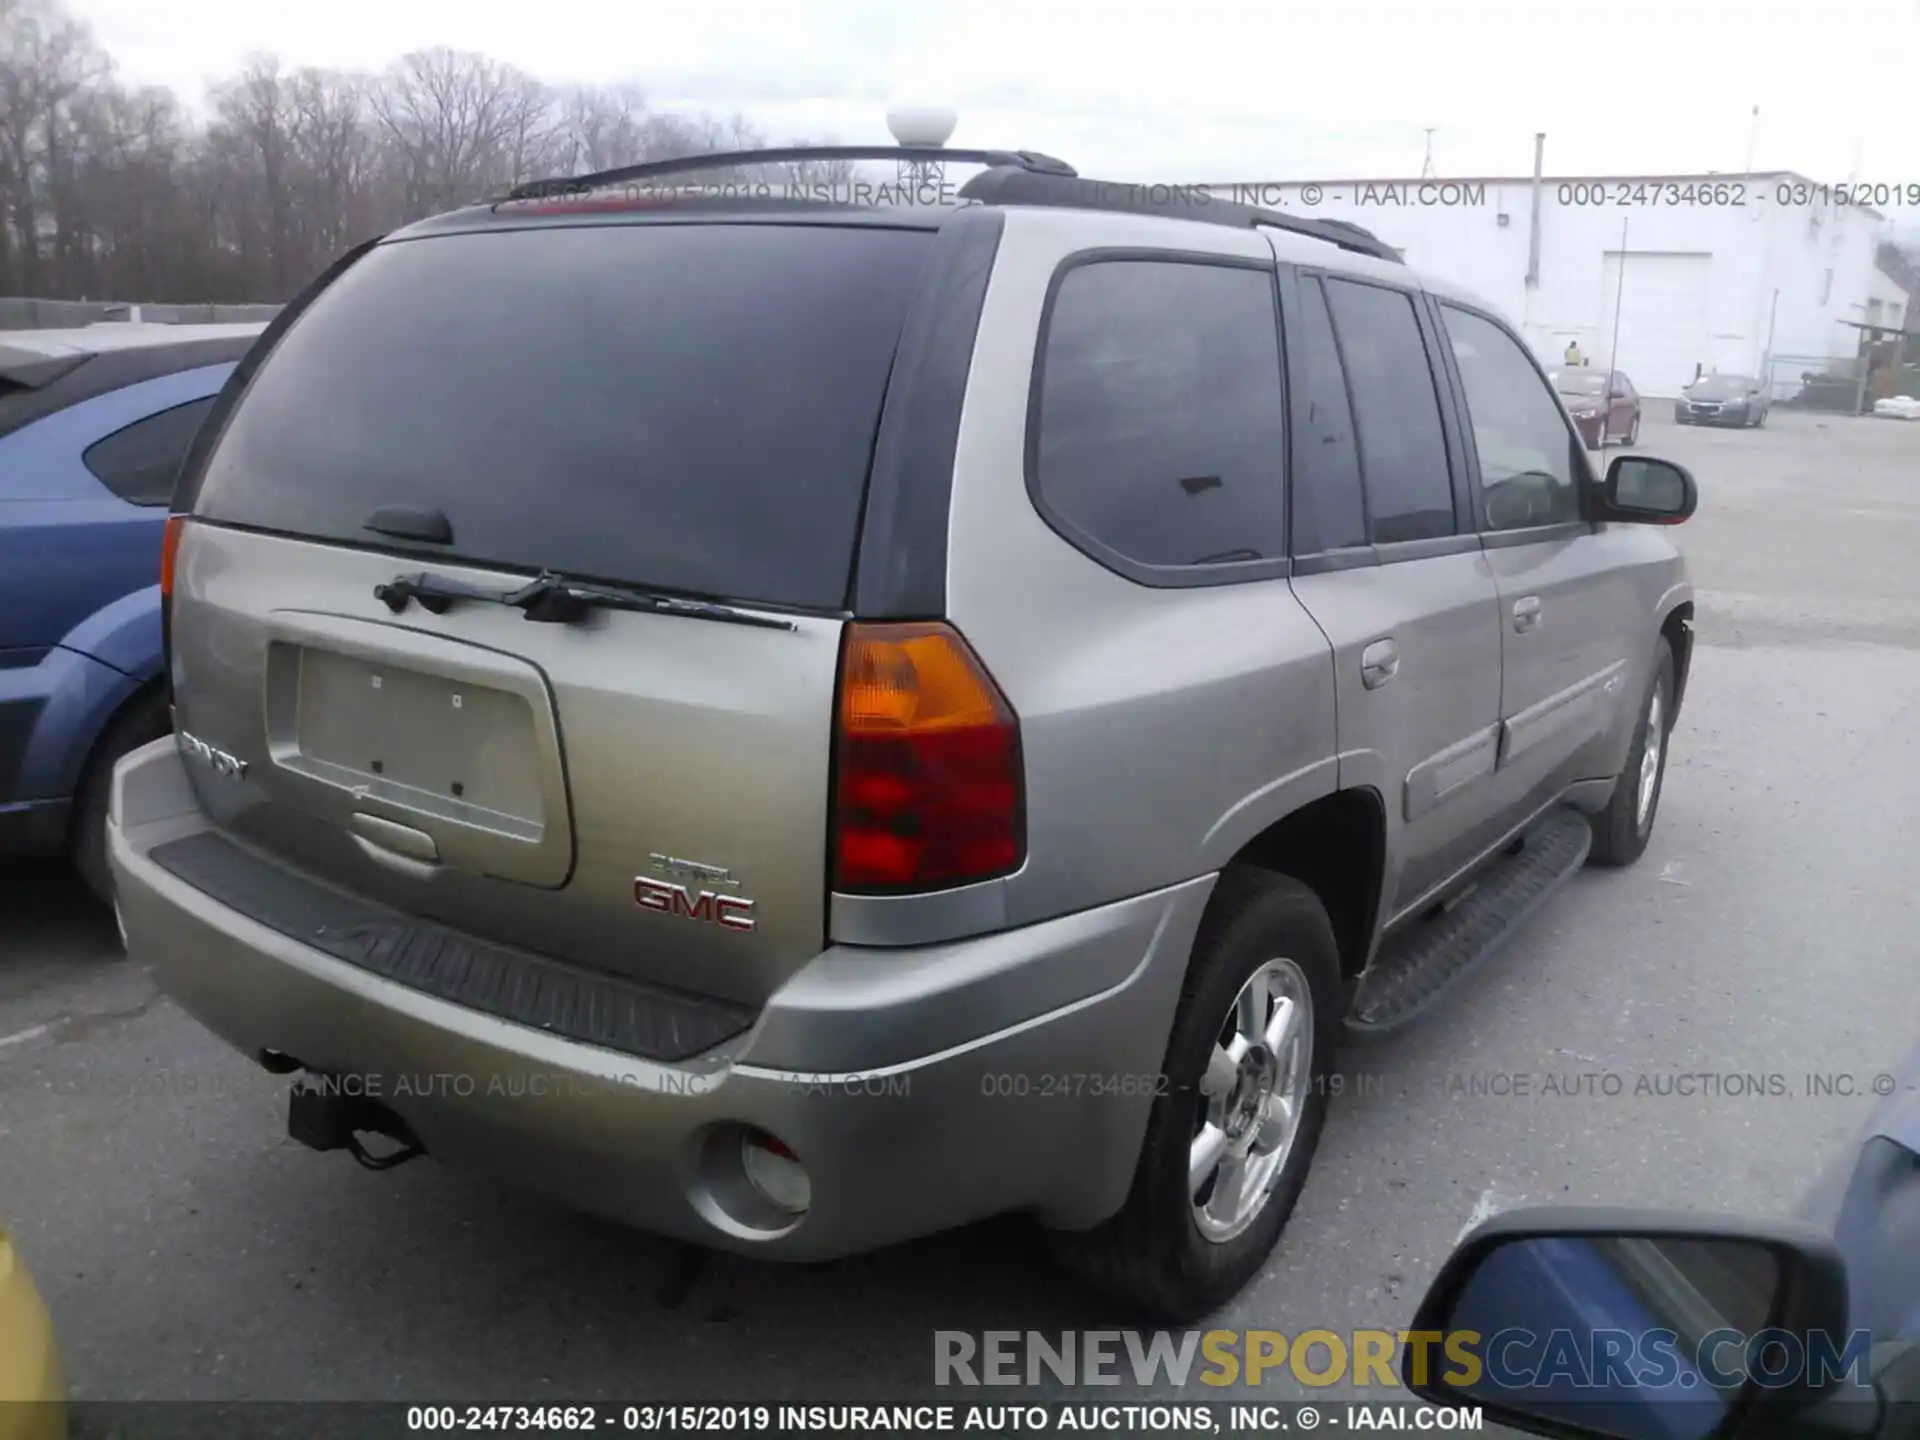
(798, 726)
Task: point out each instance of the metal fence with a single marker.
(25, 314)
(1815, 382)
(1842, 385)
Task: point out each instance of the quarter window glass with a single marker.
(1161, 424)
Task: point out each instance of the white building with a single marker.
(1887, 301)
(1745, 273)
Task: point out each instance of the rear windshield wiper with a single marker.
(555, 600)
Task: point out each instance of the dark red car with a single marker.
(1604, 405)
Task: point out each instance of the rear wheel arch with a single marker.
(1336, 847)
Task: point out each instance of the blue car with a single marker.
(93, 424)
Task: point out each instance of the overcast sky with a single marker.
(1179, 90)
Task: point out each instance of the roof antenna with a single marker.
(1426, 166)
(920, 127)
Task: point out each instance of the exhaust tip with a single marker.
(750, 1184)
(775, 1172)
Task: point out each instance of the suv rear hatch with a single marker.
(684, 410)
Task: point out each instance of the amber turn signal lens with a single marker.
(929, 785)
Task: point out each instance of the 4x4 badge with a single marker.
(215, 759)
(694, 870)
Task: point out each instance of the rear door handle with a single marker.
(1526, 613)
(1379, 663)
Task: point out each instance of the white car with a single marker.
(1898, 407)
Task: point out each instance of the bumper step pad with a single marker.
(1419, 966)
(629, 1016)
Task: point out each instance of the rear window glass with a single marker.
(689, 407)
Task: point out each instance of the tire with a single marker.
(1621, 831)
(1633, 431)
(141, 719)
(1153, 1254)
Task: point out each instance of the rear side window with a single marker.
(1403, 450)
(139, 462)
(1159, 432)
(687, 407)
(1329, 512)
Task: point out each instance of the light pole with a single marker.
(1619, 294)
(1766, 358)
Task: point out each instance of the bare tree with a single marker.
(461, 125)
(827, 179)
(112, 191)
(255, 130)
(127, 191)
(46, 59)
(604, 128)
(338, 160)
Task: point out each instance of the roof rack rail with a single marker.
(1021, 161)
(1007, 186)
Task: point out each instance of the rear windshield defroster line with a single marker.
(690, 407)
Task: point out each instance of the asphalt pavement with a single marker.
(1700, 1031)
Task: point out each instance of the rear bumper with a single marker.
(996, 1105)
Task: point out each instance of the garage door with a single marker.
(1662, 314)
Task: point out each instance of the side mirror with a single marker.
(1637, 1325)
(1640, 490)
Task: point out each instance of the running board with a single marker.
(1420, 965)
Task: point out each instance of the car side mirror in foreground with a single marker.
(1641, 490)
(1638, 1325)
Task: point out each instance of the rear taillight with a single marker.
(169, 547)
(928, 788)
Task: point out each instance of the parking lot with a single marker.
(1699, 1031)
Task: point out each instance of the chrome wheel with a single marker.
(1650, 754)
(1254, 1094)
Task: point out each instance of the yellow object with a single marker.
(32, 1394)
